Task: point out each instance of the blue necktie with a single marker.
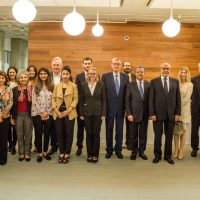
(165, 85)
(141, 89)
(117, 84)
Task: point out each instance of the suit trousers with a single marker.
(65, 132)
(127, 133)
(93, 129)
(41, 127)
(24, 129)
(12, 136)
(195, 132)
(158, 131)
(138, 136)
(80, 132)
(119, 121)
(4, 129)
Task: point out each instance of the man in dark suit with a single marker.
(56, 65)
(164, 110)
(195, 111)
(115, 85)
(80, 78)
(137, 110)
(127, 67)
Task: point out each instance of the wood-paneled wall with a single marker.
(146, 45)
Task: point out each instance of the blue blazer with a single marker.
(115, 103)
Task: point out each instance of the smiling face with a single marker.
(23, 79)
(43, 76)
(57, 66)
(32, 73)
(165, 69)
(127, 67)
(86, 65)
(2, 80)
(65, 76)
(183, 75)
(12, 74)
(92, 74)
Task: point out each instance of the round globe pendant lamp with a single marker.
(97, 29)
(171, 27)
(74, 23)
(24, 11)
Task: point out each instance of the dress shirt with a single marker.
(167, 79)
(118, 77)
(92, 87)
(56, 79)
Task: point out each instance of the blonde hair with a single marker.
(188, 78)
(92, 69)
(22, 72)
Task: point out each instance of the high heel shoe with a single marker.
(21, 158)
(60, 159)
(65, 160)
(27, 158)
(180, 156)
(94, 160)
(175, 154)
(89, 159)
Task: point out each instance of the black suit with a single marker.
(80, 78)
(133, 77)
(115, 110)
(195, 111)
(137, 106)
(164, 107)
(92, 107)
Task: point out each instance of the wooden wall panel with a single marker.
(146, 45)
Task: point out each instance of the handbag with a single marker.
(178, 128)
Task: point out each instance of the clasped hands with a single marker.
(64, 113)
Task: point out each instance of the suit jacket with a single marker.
(70, 98)
(16, 94)
(195, 104)
(80, 78)
(135, 104)
(92, 105)
(162, 105)
(115, 103)
(133, 77)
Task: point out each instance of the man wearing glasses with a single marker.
(115, 85)
(164, 110)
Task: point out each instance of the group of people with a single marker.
(49, 102)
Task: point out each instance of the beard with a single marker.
(127, 70)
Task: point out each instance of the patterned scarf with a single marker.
(22, 95)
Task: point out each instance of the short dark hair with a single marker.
(87, 58)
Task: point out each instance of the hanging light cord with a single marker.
(171, 10)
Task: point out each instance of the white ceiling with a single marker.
(111, 11)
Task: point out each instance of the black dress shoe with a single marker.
(170, 161)
(39, 159)
(52, 151)
(108, 155)
(47, 157)
(143, 156)
(133, 156)
(156, 160)
(28, 159)
(13, 151)
(89, 159)
(119, 155)
(79, 152)
(194, 153)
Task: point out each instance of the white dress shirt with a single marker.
(167, 79)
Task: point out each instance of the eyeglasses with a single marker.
(117, 64)
(164, 68)
(92, 74)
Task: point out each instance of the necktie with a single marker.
(141, 89)
(117, 84)
(165, 85)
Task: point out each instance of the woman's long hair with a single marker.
(15, 69)
(38, 84)
(188, 79)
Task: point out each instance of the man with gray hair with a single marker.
(164, 110)
(115, 85)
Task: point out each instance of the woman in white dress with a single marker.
(182, 128)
